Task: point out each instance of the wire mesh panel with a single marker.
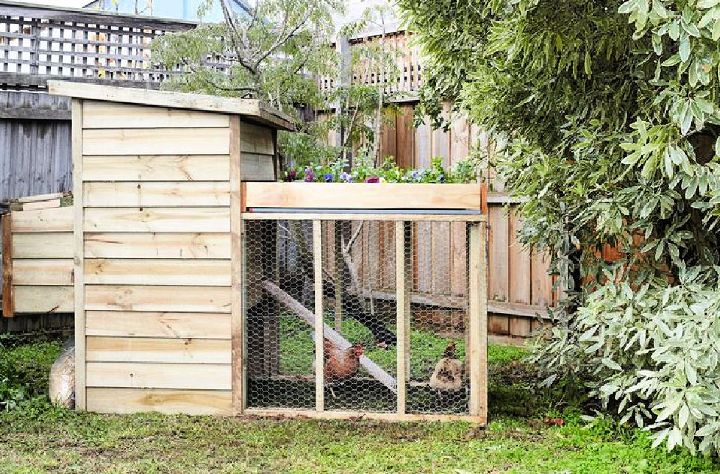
(359, 316)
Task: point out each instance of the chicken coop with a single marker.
(202, 285)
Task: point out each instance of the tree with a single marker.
(612, 115)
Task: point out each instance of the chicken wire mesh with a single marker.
(359, 285)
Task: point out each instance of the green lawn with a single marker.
(35, 438)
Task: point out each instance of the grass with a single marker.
(38, 438)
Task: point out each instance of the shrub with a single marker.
(24, 371)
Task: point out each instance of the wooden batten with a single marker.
(237, 241)
(7, 266)
(78, 255)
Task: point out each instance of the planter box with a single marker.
(363, 196)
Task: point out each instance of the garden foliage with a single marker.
(611, 114)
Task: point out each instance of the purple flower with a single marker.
(309, 175)
(372, 179)
(441, 178)
(291, 175)
(416, 175)
(329, 177)
(345, 177)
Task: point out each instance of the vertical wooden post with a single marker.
(477, 320)
(319, 323)
(8, 308)
(237, 316)
(339, 273)
(79, 254)
(403, 282)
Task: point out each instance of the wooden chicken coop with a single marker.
(202, 285)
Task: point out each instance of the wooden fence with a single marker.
(43, 42)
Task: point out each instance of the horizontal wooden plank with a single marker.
(256, 139)
(40, 197)
(156, 168)
(199, 219)
(31, 206)
(156, 141)
(59, 219)
(178, 245)
(139, 324)
(117, 115)
(43, 245)
(157, 272)
(147, 97)
(257, 167)
(517, 309)
(144, 349)
(144, 194)
(42, 272)
(152, 375)
(43, 299)
(134, 400)
(195, 299)
(258, 215)
(362, 196)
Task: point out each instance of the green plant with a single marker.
(611, 115)
(24, 371)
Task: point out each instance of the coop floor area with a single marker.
(37, 438)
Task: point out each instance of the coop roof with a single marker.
(253, 108)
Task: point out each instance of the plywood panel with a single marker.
(149, 324)
(169, 193)
(203, 219)
(158, 298)
(150, 375)
(256, 139)
(116, 115)
(43, 299)
(59, 219)
(157, 272)
(132, 400)
(257, 167)
(145, 349)
(45, 272)
(167, 141)
(41, 245)
(177, 245)
(156, 168)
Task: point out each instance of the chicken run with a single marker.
(359, 296)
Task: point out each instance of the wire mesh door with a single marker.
(363, 316)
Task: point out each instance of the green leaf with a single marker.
(684, 48)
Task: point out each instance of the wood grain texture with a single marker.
(78, 254)
(31, 206)
(166, 141)
(174, 245)
(131, 400)
(519, 258)
(43, 245)
(256, 139)
(49, 272)
(157, 272)
(196, 299)
(59, 219)
(181, 167)
(362, 196)
(319, 322)
(158, 324)
(7, 266)
(499, 260)
(145, 349)
(237, 318)
(477, 321)
(148, 97)
(43, 299)
(116, 115)
(158, 375)
(199, 219)
(156, 194)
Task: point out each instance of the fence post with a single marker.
(319, 323)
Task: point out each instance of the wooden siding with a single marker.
(149, 281)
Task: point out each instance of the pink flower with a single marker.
(372, 179)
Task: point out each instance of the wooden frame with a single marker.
(237, 323)
(79, 256)
(7, 265)
(363, 196)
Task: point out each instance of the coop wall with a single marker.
(154, 253)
